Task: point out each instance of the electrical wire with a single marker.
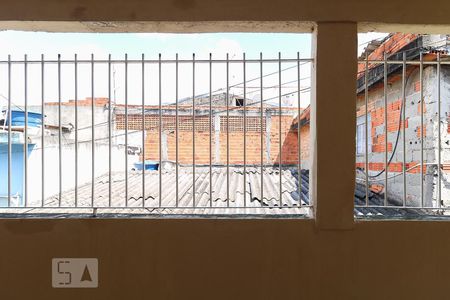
(247, 81)
(7, 100)
(394, 149)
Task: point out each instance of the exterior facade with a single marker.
(404, 136)
(49, 153)
(221, 133)
(227, 140)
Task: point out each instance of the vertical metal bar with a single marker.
(244, 100)
(143, 129)
(109, 135)
(42, 133)
(366, 103)
(25, 150)
(59, 131)
(439, 196)
(210, 132)
(160, 131)
(403, 125)
(385, 130)
(193, 129)
(176, 132)
(9, 133)
(126, 129)
(261, 125)
(76, 129)
(92, 132)
(228, 129)
(421, 129)
(299, 140)
(280, 161)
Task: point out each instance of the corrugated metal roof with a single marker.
(238, 203)
(263, 201)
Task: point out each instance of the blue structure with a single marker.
(17, 171)
(17, 155)
(18, 118)
(149, 165)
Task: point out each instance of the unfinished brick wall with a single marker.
(270, 148)
(376, 110)
(413, 127)
(289, 142)
(184, 147)
(304, 137)
(168, 122)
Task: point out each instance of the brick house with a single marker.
(394, 46)
(268, 124)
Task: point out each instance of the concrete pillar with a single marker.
(333, 124)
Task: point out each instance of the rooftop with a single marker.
(254, 202)
(394, 47)
(238, 204)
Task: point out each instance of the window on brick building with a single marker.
(361, 135)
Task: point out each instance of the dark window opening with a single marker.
(239, 101)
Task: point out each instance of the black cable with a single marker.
(394, 149)
(180, 101)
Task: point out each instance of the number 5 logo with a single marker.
(66, 275)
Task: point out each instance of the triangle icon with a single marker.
(86, 275)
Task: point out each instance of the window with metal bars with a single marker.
(156, 153)
(402, 103)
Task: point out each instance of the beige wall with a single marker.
(229, 259)
(331, 257)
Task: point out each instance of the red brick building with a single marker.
(394, 46)
(223, 136)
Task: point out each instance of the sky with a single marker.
(33, 44)
(117, 44)
(365, 38)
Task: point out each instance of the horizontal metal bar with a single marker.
(402, 207)
(189, 61)
(150, 215)
(164, 61)
(400, 62)
(29, 208)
